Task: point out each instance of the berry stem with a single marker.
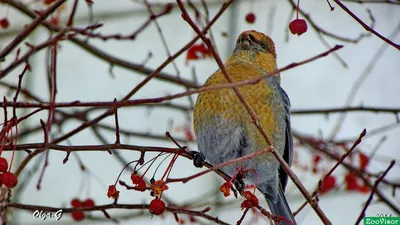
(14, 144)
(297, 9)
(169, 168)
(123, 170)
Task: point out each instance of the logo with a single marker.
(384, 219)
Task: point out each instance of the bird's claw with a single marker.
(239, 183)
(198, 158)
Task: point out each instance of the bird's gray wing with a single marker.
(288, 153)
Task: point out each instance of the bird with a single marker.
(225, 130)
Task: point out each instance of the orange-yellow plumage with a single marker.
(225, 130)
(242, 65)
(225, 103)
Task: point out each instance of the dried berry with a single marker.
(139, 182)
(112, 192)
(251, 197)
(226, 188)
(246, 204)
(158, 187)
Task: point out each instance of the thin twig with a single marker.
(29, 28)
(371, 196)
(360, 80)
(170, 97)
(114, 206)
(339, 162)
(366, 27)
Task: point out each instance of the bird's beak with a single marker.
(245, 42)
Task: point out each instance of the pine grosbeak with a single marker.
(225, 130)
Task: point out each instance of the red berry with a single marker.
(298, 26)
(246, 204)
(328, 184)
(316, 159)
(76, 203)
(4, 23)
(364, 161)
(364, 189)
(55, 20)
(251, 197)
(351, 182)
(48, 2)
(168, 7)
(112, 192)
(3, 164)
(250, 17)
(226, 188)
(251, 200)
(187, 129)
(9, 179)
(139, 182)
(192, 219)
(157, 206)
(88, 203)
(78, 216)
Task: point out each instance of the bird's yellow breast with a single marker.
(225, 104)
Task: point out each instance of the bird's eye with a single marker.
(263, 45)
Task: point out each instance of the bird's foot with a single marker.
(198, 158)
(239, 183)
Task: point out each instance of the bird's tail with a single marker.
(280, 207)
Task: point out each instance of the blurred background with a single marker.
(363, 73)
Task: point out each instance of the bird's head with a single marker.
(257, 49)
(256, 42)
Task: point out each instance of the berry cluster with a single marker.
(157, 206)
(250, 199)
(352, 183)
(7, 178)
(250, 202)
(76, 203)
(198, 51)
